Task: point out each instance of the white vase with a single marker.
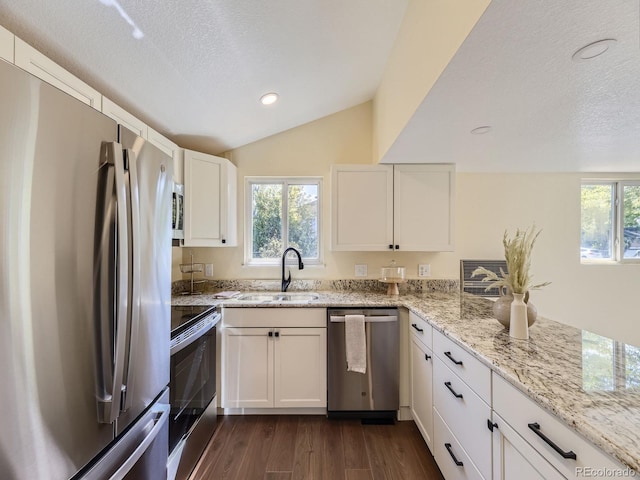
(519, 326)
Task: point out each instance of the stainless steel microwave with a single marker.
(177, 220)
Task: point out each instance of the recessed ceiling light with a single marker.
(269, 98)
(593, 50)
(481, 130)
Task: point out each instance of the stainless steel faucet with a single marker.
(287, 281)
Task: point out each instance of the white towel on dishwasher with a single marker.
(355, 343)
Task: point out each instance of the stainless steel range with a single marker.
(192, 386)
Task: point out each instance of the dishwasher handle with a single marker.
(367, 318)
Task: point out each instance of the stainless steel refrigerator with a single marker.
(85, 235)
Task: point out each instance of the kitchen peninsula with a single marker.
(550, 368)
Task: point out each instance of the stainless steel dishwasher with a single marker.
(374, 394)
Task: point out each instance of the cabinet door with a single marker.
(361, 207)
(123, 117)
(423, 207)
(300, 367)
(171, 149)
(7, 40)
(515, 459)
(34, 62)
(247, 368)
(210, 201)
(421, 389)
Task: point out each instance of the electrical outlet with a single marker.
(424, 270)
(208, 269)
(361, 270)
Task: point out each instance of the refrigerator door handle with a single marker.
(134, 277)
(110, 400)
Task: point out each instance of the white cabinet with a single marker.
(461, 396)
(514, 458)
(361, 207)
(423, 202)
(210, 186)
(399, 207)
(34, 62)
(171, 149)
(7, 41)
(274, 358)
(519, 417)
(422, 377)
(124, 118)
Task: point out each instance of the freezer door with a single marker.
(141, 452)
(50, 152)
(151, 184)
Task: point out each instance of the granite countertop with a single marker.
(560, 367)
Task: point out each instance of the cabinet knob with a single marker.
(270, 334)
(224, 240)
(397, 247)
(277, 334)
(390, 247)
(427, 356)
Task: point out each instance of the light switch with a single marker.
(208, 269)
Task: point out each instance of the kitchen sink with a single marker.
(294, 297)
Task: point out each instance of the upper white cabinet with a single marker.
(34, 62)
(7, 40)
(397, 207)
(171, 149)
(361, 207)
(210, 186)
(124, 118)
(423, 202)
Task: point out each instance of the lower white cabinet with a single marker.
(451, 457)
(421, 384)
(562, 448)
(514, 458)
(276, 365)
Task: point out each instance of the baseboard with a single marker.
(275, 411)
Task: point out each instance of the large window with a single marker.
(282, 213)
(610, 221)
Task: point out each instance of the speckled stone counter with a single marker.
(553, 367)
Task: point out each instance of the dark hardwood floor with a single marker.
(283, 447)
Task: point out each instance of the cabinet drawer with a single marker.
(471, 370)
(520, 412)
(274, 317)
(421, 330)
(452, 459)
(465, 414)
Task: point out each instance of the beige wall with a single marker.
(599, 298)
(431, 33)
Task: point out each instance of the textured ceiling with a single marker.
(199, 67)
(515, 73)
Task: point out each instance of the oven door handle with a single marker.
(195, 335)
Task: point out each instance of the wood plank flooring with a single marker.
(287, 447)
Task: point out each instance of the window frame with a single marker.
(285, 181)
(617, 220)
